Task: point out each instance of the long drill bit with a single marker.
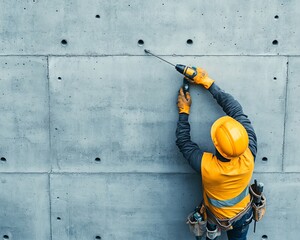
(147, 51)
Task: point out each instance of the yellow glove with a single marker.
(184, 102)
(202, 78)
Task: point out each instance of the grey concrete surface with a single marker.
(122, 206)
(293, 118)
(24, 128)
(229, 27)
(25, 206)
(100, 101)
(154, 206)
(87, 133)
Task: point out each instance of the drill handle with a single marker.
(185, 86)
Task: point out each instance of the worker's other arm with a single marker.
(234, 109)
(190, 150)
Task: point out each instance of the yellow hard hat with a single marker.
(229, 137)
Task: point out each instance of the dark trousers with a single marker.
(240, 227)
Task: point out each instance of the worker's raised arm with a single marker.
(190, 150)
(234, 109)
(230, 106)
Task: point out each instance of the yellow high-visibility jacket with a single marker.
(226, 184)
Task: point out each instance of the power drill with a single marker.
(188, 72)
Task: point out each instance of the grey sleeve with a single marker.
(190, 150)
(234, 109)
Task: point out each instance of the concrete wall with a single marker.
(87, 133)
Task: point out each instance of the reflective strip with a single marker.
(230, 202)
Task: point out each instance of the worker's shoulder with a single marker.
(248, 156)
(207, 158)
(208, 155)
(248, 153)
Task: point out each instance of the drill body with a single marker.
(195, 75)
(189, 72)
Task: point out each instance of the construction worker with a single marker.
(226, 174)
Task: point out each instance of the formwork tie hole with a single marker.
(276, 16)
(59, 78)
(264, 237)
(189, 41)
(5, 237)
(97, 159)
(58, 218)
(274, 78)
(275, 42)
(97, 237)
(64, 42)
(264, 159)
(3, 159)
(141, 42)
(97, 16)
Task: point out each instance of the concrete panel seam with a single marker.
(102, 173)
(24, 173)
(49, 135)
(285, 113)
(148, 173)
(50, 205)
(49, 113)
(141, 55)
(124, 173)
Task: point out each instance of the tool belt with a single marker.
(226, 224)
(198, 228)
(259, 209)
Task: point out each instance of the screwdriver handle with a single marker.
(260, 188)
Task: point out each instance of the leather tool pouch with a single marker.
(259, 209)
(197, 228)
